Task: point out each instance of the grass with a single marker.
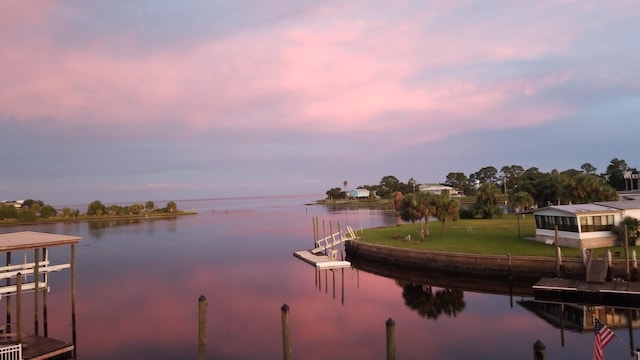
(474, 236)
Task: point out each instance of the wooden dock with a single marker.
(321, 261)
(36, 347)
(611, 293)
(324, 254)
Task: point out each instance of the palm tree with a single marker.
(427, 205)
(521, 200)
(397, 204)
(447, 207)
(409, 210)
(345, 183)
(487, 201)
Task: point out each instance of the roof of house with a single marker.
(34, 240)
(598, 207)
(621, 204)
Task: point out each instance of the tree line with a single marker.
(32, 210)
(524, 188)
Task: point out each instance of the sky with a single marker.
(165, 100)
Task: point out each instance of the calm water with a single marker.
(138, 286)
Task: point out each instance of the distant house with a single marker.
(15, 203)
(583, 226)
(437, 189)
(359, 194)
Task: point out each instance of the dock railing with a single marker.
(11, 352)
(328, 242)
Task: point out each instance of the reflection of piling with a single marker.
(539, 350)
(202, 326)
(391, 339)
(286, 332)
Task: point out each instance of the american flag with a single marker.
(603, 335)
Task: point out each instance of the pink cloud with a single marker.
(339, 68)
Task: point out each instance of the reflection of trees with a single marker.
(431, 304)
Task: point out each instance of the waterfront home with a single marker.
(437, 189)
(359, 194)
(584, 226)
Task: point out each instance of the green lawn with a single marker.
(476, 236)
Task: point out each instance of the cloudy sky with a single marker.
(169, 100)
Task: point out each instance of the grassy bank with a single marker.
(474, 236)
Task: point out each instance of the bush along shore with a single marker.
(36, 211)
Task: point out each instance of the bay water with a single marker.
(139, 281)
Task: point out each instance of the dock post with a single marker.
(7, 283)
(73, 300)
(558, 254)
(391, 339)
(36, 283)
(286, 332)
(330, 235)
(634, 265)
(539, 350)
(558, 261)
(202, 326)
(19, 305)
(341, 243)
(626, 252)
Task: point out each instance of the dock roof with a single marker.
(33, 240)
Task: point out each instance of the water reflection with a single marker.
(430, 303)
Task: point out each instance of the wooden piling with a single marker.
(341, 243)
(286, 332)
(391, 339)
(626, 252)
(45, 319)
(36, 292)
(539, 350)
(558, 254)
(8, 301)
(73, 300)
(202, 327)
(19, 305)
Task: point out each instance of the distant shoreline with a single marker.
(87, 218)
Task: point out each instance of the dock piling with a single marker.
(202, 326)
(539, 350)
(286, 332)
(391, 339)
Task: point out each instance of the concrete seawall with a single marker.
(477, 264)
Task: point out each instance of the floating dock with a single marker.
(611, 293)
(321, 261)
(324, 254)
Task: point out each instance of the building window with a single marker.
(564, 223)
(596, 223)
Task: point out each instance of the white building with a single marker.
(359, 194)
(437, 189)
(583, 226)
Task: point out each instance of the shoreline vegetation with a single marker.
(82, 218)
(26, 212)
(507, 234)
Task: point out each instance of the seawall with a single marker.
(458, 263)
